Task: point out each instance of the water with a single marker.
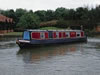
(69, 59)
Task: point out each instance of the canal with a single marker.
(67, 59)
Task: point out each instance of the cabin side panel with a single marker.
(54, 35)
(72, 34)
(35, 35)
(60, 34)
(64, 35)
(82, 34)
(46, 35)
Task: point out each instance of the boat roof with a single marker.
(51, 30)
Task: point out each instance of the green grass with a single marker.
(14, 34)
(50, 28)
(20, 33)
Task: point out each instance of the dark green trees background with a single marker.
(81, 16)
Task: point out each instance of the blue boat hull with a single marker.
(34, 43)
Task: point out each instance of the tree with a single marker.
(28, 21)
(62, 23)
(61, 13)
(41, 14)
(71, 15)
(19, 12)
(49, 15)
(82, 13)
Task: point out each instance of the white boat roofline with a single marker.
(52, 30)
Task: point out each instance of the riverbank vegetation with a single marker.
(85, 17)
(13, 34)
(50, 28)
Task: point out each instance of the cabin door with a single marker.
(26, 35)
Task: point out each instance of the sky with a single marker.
(46, 4)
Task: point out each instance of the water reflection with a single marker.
(37, 54)
(70, 59)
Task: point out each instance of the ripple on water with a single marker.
(72, 59)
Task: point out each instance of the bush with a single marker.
(62, 24)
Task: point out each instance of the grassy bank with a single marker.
(50, 28)
(13, 34)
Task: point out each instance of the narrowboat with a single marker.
(33, 38)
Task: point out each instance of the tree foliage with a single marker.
(28, 21)
(88, 17)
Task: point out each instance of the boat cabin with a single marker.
(52, 34)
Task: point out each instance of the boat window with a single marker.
(67, 34)
(26, 35)
(50, 34)
(78, 35)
